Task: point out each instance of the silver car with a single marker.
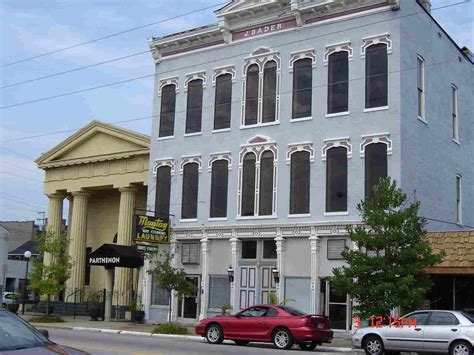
(421, 331)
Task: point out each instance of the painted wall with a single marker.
(297, 257)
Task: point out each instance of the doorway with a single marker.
(188, 305)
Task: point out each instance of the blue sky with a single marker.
(33, 27)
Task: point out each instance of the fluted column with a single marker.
(55, 218)
(205, 276)
(280, 249)
(123, 276)
(315, 282)
(77, 243)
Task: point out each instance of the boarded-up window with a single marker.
(335, 248)
(190, 253)
(159, 297)
(219, 290)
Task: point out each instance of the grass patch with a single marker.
(47, 319)
(170, 328)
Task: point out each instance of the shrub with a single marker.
(170, 328)
(48, 318)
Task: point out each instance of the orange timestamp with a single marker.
(391, 322)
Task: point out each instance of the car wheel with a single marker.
(214, 334)
(373, 345)
(4, 305)
(461, 348)
(241, 342)
(282, 338)
(308, 346)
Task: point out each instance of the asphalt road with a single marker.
(101, 343)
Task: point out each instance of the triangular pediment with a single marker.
(259, 139)
(96, 141)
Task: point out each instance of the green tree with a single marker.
(49, 280)
(170, 278)
(385, 269)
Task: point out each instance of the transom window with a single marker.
(302, 88)
(223, 101)
(167, 110)
(249, 249)
(376, 76)
(338, 82)
(194, 106)
(375, 166)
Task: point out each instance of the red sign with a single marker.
(264, 29)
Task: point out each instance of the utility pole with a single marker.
(43, 219)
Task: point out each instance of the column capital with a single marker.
(83, 194)
(56, 195)
(126, 189)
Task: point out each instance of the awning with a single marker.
(113, 255)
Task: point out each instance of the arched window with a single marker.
(266, 184)
(269, 92)
(376, 76)
(248, 185)
(338, 82)
(189, 200)
(375, 166)
(299, 183)
(219, 184)
(223, 103)
(163, 190)
(194, 106)
(302, 88)
(251, 95)
(336, 180)
(167, 111)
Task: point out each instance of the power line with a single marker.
(20, 176)
(215, 60)
(20, 167)
(16, 153)
(18, 207)
(17, 200)
(112, 35)
(448, 222)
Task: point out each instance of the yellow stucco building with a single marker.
(102, 170)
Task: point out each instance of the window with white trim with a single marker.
(266, 184)
(189, 201)
(163, 190)
(248, 185)
(336, 179)
(335, 247)
(194, 106)
(420, 75)
(219, 185)
(167, 110)
(269, 92)
(338, 82)
(190, 253)
(376, 166)
(458, 199)
(223, 101)
(302, 88)
(376, 76)
(454, 112)
(300, 183)
(251, 95)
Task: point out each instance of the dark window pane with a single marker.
(219, 183)
(299, 183)
(269, 92)
(336, 180)
(190, 191)
(248, 185)
(302, 85)
(223, 104)
(266, 184)
(443, 318)
(87, 275)
(338, 82)
(163, 190)
(269, 249)
(375, 166)
(251, 95)
(376, 80)
(418, 318)
(167, 111)
(249, 249)
(194, 106)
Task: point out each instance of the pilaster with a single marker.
(204, 291)
(280, 249)
(234, 247)
(174, 294)
(315, 282)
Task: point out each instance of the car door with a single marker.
(442, 327)
(409, 334)
(247, 324)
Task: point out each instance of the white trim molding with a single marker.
(229, 69)
(167, 81)
(376, 39)
(193, 76)
(338, 47)
(300, 147)
(258, 145)
(344, 142)
(376, 138)
(303, 54)
(163, 162)
(186, 159)
(220, 156)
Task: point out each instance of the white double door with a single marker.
(256, 282)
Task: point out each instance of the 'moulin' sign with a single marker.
(151, 229)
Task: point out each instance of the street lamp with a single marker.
(27, 256)
(276, 275)
(230, 273)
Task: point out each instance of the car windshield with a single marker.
(470, 317)
(16, 334)
(293, 311)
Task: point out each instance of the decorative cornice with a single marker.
(220, 156)
(338, 47)
(376, 138)
(300, 147)
(169, 81)
(344, 142)
(163, 162)
(229, 69)
(201, 75)
(303, 54)
(190, 159)
(383, 38)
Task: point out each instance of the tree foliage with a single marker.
(385, 268)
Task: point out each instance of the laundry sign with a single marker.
(150, 229)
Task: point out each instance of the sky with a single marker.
(32, 27)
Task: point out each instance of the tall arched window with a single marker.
(167, 111)
(299, 183)
(266, 184)
(269, 92)
(223, 103)
(336, 180)
(248, 185)
(194, 107)
(375, 166)
(219, 184)
(302, 88)
(376, 76)
(251, 95)
(338, 82)
(163, 190)
(189, 201)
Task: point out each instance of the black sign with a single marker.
(113, 255)
(151, 229)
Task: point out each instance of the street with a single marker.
(100, 343)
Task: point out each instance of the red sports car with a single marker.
(281, 325)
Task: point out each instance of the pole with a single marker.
(24, 286)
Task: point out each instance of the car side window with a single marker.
(271, 313)
(254, 312)
(443, 318)
(418, 318)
